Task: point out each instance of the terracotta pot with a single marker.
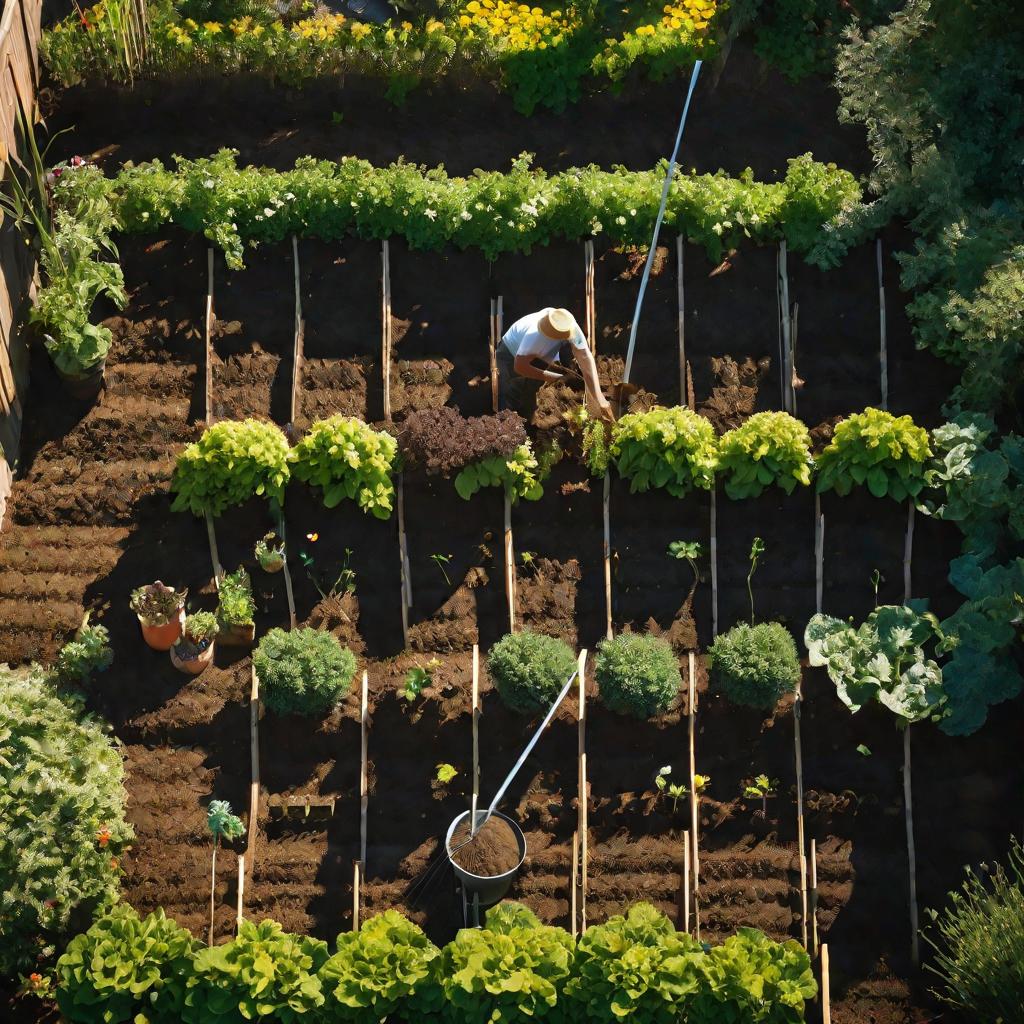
(193, 666)
(162, 638)
(83, 386)
(237, 635)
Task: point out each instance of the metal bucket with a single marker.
(490, 889)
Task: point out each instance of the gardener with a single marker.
(529, 355)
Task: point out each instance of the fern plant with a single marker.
(769, 448)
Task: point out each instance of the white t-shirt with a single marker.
(525, 338)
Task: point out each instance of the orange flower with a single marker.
(114, 863)
(103, 836)
(312, 537)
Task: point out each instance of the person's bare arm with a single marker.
(588, 368)
(525, 368)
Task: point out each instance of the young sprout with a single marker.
(345, 581)
(441, 561)
(529, 560)
(445, 773)
(673, 790)
(761, 788)
(876, 578)
(756, 551)
(691, 550)
(418, 678)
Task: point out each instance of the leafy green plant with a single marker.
(761, 788)
(514, 972)
(520, 475)
(675, 791)
(530, 669)
(235, 603)
(505, 917)
(126, 968)
(89, 652)
(441, 561)
(387, 970)
(978, 940)
(887, 453)
(637, 674)
(200, 630)
(757, 549)
(62, 803)
(635, 967)
(769, 448)
(264, 973)
(755, 665)
(347, 459)
(304, 671)
(233, 461)
(445, 773)
(670, 448)
(418, 678)
(156, 604)
(692, 551)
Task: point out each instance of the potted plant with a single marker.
(193, 650)
(236, 609)
(161, 612)
(270, 552)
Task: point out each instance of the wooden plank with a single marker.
(254, 755)
(364, 793)
(207, 343)
(694, 796)
(297, 348)
(385, 345)
(606, 512)
(681, 307)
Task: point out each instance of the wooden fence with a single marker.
(19, 80)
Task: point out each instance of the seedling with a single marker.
(700, 783)
(691, 550)
(761, 788)
(675, 791)
(344, 582)
(876, 579)
(221, 822)
(445, 773)
(756, 551)
(337, 117)
(863, 750)
(418, 678)
(529, 560)
(441, 561)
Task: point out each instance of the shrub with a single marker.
(89, 652)
(386, 970)
(979, 944)
(62, 808)
(347, 459)
(769, 448)
(305, 671)
(886, 452)
(670, 448)
(637, 675)
(530, 669)
(232, 462)
(636, 968)
(515, 975)
(520, 475)
(126, 968)
(235, 603)
(443, 441)
(755, 665)
(264, 973)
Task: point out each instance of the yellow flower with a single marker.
(213, 27)
(433, 26)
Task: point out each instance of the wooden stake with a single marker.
(403, 560)
(814, 898)
(803, 899)
(801, 846)
(589, 299)
(819, 553)
(683, 895)
(364, 796)
(606, 506)
(787, 345)
(908, 551)
(475, 710)
(694, 797)
(211, 536)
(792, 358)
(289, 592)
(254, 758)
(241, 892)
(908, 803)
(213, 887)
(356, 873)
(714, 559)
(574, 881)
(883, 353)
(385, 257)
(826, 995)
(510, 566)
(493, 343)
(582, 792)
(682, 320)
(299, 333)
(207, 341)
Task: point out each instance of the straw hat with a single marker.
(559, 324)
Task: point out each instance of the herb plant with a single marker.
(530, 669)
(761, 788)
(347, 459)
(232, 462)
(769, 448)
(637, 674)
(89, 652)
(235, 603)
(304, 671)
(754, 665)
(675, 791)
(441, 561)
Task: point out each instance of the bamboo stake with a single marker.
(681, 315)
(792, 357)
(364, 797)
(908, 551)
(684, 882)
(356, 872)
(883, 353)
(385, 257)
(241, 891)
(694, 797)
(819, 553)
(908, 801)
(607, 555)
(207, 342)
(475, 709)
(403, 561)
(574, 881)
(803, 899)
(510, 566)
(778, 305)
(583, 796)
(254, 758)
(826, 995)
(211, 536)
(213, 887)
(714, 559)
(299, 334)
(493, 350)
(289, 592)
(801, 845)
(814, 898)
(589, 300)
(787, 345)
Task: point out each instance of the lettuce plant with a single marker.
(520, 475)
(303, 671)
(769, 448)
(670, 448)
(126, 968)
(348, 459)
(887, 453)
(386, 970)
(233, 461)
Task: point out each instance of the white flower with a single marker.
(596, 227)
(209, 183)
(289, 195)
(632, 213)
(717, 228)
(620, 220)
(432, 214)
(466, 215)
(268, 211)
(145, 216)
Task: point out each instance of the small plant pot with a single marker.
(192, 666)
(237, 635)
(272, 564)
(163, 638)
(83, 386)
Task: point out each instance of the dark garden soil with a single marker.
(90, 519)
